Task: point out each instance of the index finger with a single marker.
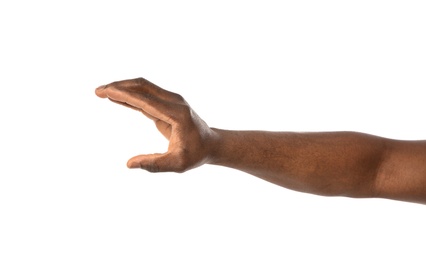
(141, 85)
(138, 98)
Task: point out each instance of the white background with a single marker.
(65, 192)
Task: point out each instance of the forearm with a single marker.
(335, 163)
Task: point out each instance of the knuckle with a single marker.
(185, 112)
(140, 81)
(112, 85)
(179, 98)
(180, 114)
(151, 167)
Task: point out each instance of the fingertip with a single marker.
(100, 91)
(132, 164)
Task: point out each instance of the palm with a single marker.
(164, 128)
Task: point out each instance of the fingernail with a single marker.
(98, 91)
(131, 165)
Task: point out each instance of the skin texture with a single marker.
(325, 163)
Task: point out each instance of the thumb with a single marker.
(159, 162)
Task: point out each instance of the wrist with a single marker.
(218, 144)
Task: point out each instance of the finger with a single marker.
(147, 87)
(134, 108)
(100, 91)
(126, 105)
(155, 90)
(141, 101)
(156, 163)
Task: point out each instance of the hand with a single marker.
(190, 138)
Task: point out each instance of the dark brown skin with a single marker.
(325, 163)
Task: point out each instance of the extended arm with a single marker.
(329, 163)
